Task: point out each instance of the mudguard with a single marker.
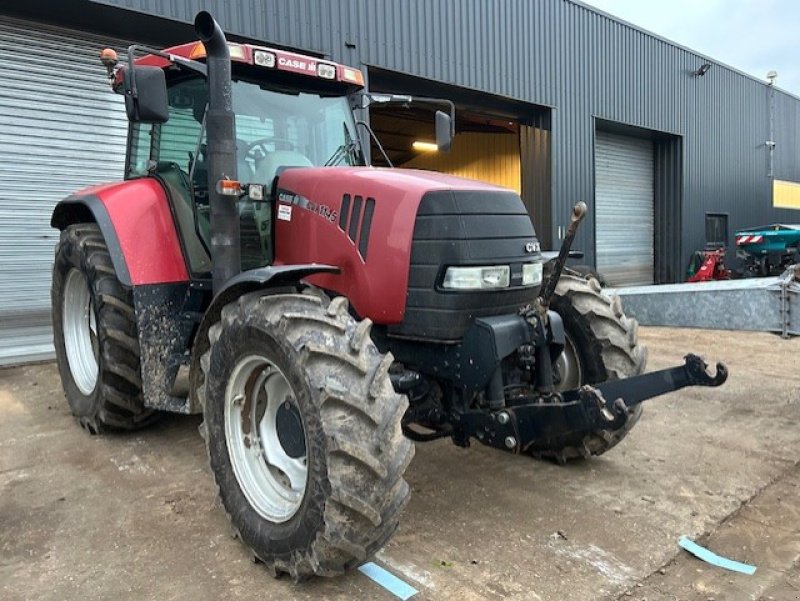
(137, 225)
(88, 208)
(262, 278)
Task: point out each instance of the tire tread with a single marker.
(616, 347)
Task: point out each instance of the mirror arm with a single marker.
(377, 142)
(405, 99)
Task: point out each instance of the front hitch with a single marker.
(590, 408)
(614, 398)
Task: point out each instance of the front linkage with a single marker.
(540, 413)
(590, 408)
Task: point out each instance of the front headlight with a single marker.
(531, 274)
(477, 278)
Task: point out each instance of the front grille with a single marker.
(359, 224)
(464, 228)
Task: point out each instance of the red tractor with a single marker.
(328, 314)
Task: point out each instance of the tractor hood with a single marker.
(414, 180)
(364, 220)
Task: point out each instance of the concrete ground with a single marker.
(134, 516)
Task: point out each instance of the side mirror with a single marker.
(444, 131)
(146, 94)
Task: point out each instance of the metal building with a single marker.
(556, 99)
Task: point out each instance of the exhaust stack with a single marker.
(221, 141)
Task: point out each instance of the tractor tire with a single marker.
(602, 342)
(587, 272)
(309, 356)
(95, 335)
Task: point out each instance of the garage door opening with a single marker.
(485, 148)
(624, 208)
(498, 140)
(638, 196)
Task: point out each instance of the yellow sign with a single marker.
(785, 195)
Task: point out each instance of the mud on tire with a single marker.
(116, 401)
(356, 454)
(607, 345)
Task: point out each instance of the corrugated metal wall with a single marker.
(61, 128)
(556, 53)
(668, 159)
(536, 185)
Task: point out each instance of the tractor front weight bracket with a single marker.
(590, 408)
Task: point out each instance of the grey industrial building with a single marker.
(670, 148)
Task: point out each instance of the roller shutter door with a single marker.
(61, 129)
(624, 209)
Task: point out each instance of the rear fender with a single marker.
(137, 224)
(88, 208)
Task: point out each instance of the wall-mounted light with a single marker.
(702, 69)
(424, 146)
(770, 144)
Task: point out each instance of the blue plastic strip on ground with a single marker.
(387, 580)
(714, 559)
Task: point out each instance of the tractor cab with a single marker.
(290, 111)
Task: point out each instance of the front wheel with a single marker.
(303, 430)
(601, 344)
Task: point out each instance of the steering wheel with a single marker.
(261, 145)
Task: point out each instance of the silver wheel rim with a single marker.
(569, 367)
(80, 332)
(271, 472)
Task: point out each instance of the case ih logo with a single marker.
(323, 211)
(294, 64)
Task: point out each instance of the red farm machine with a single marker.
(322, 314)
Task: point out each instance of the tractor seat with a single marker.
(267, 167)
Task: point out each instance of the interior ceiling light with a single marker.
(424, 146)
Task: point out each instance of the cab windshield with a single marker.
(275, 127)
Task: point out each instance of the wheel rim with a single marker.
(266, 438)
(569, 367)
(80, 332)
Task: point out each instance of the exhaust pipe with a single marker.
(221, 155)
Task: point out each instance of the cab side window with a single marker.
(139, 149)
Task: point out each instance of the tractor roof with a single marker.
(268, 58)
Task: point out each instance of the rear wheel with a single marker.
(601, 344)
(303, 432)
(95, 334)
